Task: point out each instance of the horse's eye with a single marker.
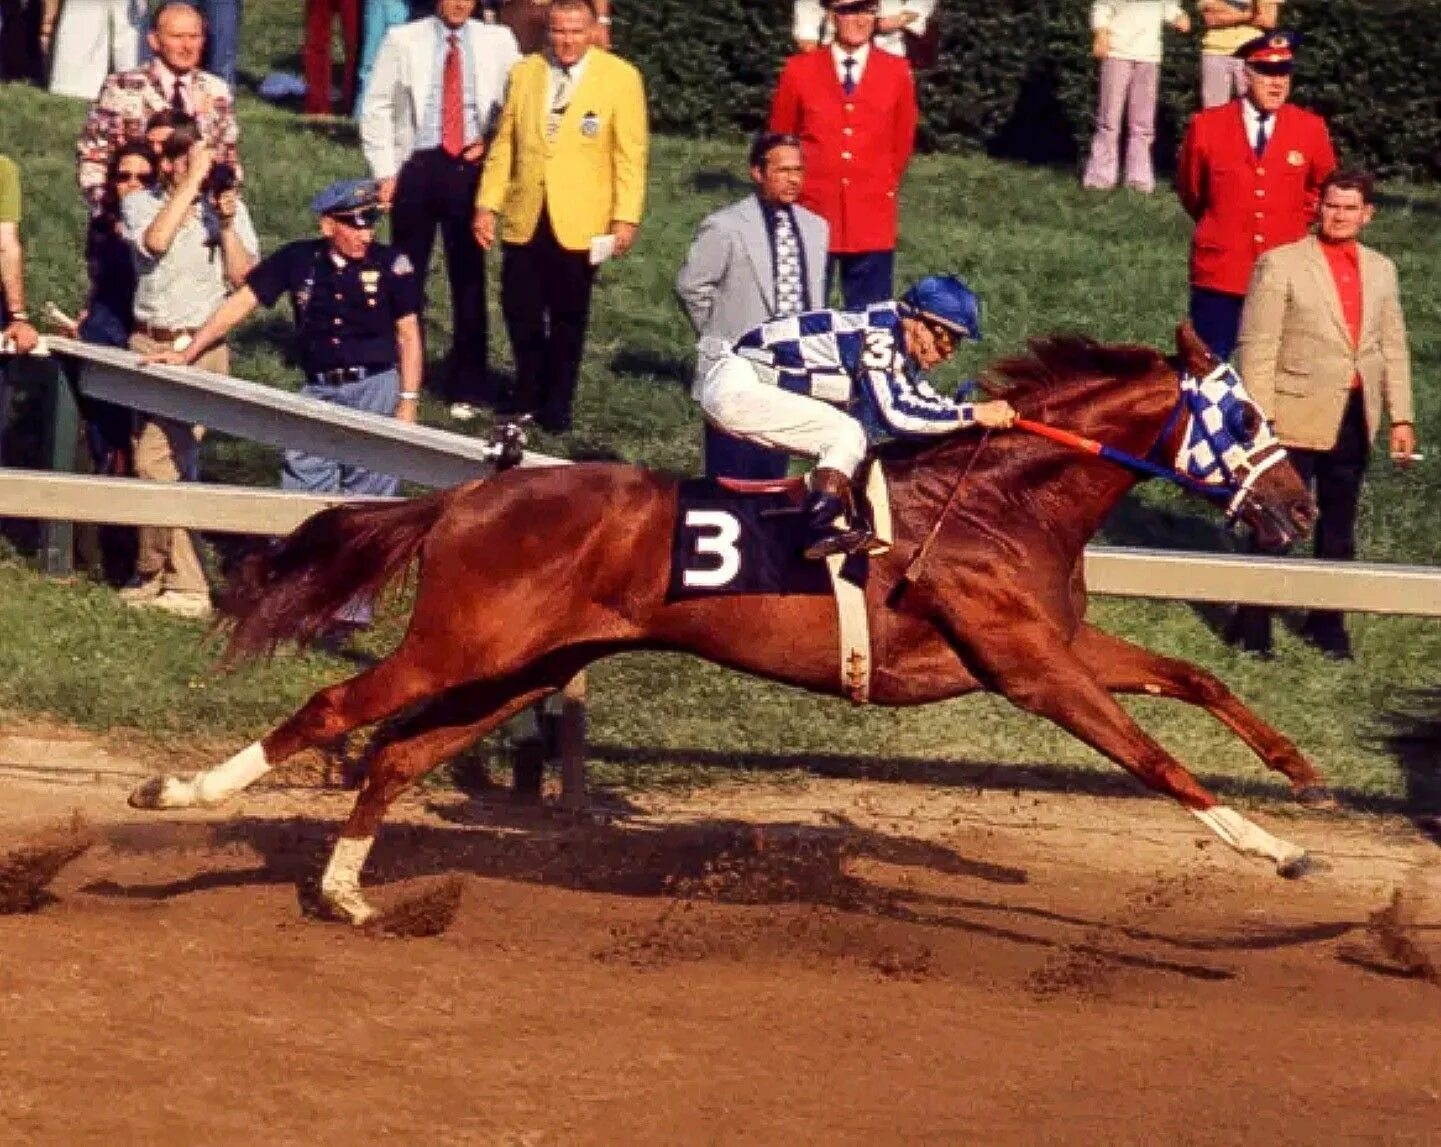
(1244, 422)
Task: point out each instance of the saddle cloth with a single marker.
(731, 541)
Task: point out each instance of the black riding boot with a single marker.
(835, 526)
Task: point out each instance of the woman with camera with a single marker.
(193, 243)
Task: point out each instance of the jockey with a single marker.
(825, 384)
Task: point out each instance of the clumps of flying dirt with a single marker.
(28, 869)
(1392, 928)
(427, 913)
(1087, 966)
(784, 895)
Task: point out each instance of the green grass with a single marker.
(1043, 255)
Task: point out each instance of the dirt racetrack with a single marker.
(839, 963)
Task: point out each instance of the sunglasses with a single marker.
(132, 177)
(945, 340)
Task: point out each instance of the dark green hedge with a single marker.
(1016, 77)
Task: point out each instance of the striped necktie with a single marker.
(559, 101)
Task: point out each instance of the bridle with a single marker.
(1220, 456)
(1226, 445)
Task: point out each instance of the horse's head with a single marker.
(1220, 438)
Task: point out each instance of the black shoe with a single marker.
(849, 541)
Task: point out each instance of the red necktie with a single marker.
(452, 101)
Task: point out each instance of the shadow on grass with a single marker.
(977, 775)
(646, 362)
(1410, 731)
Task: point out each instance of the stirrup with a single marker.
(852, 540)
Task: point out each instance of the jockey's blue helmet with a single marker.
(947, 301)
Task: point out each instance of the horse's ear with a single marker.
(1193, 351)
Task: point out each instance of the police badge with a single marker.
(590, 125)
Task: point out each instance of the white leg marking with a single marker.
(340, 885)
(225, 780)
(1244, 836)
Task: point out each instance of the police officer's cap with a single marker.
(1273, 54)
(946, 301)
(851, 7)
(355, 201)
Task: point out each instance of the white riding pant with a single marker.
(737, 399)
(92, 39)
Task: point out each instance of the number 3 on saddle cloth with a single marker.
(735, 537)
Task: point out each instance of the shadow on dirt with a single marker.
(1410, 731)
(847, 871)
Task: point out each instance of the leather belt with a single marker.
(165, 334)
(343, 374)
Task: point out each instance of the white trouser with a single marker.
(737, 400)
(92, 39)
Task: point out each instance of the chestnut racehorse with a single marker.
(528, 576)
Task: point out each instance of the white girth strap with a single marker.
(853, 622)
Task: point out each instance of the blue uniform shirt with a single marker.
(345, 310)
(856, 360)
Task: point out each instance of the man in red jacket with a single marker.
(1249, 175)
(854, 109)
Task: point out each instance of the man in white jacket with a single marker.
(430, 109)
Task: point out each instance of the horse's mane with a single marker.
(1056, 361)
(1053, 365)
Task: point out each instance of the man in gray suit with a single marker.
(760, 259)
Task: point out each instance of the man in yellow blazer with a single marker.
(1323, 351)
(567, 172)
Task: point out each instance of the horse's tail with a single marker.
(340, 557)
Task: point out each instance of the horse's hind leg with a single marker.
(1122, 667)
(377, 693)
(409, 749)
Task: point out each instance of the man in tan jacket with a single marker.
(1323, 351)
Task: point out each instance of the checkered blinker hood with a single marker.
(1227, 443)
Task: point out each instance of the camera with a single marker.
(220, 179)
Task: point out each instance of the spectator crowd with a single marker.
(517, 128)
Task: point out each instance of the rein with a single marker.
(1122, 458)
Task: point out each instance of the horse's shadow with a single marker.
(1410, 731)
(722, 861)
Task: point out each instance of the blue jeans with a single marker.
(376, 394)
(222, 48)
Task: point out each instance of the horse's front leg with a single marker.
(1122, 667)
(1027, 660)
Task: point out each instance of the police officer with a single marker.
(356, 304)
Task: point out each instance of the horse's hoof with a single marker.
(1316, 797)
(348, 906)
(161, 793)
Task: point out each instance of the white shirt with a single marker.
(577, 69)
(184, 286)
(1251, 118)
(860, 56)
(1135, 26)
